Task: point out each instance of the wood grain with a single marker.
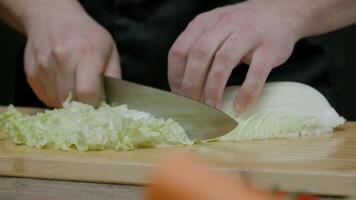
(37, 189)
(318, 164)
(31, 189)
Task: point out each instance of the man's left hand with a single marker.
(256, 32)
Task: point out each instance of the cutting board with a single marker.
(318, 164)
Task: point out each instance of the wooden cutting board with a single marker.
(317, 164)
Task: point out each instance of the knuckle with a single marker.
(77, 45)
(101, 33)
(198, 20)
(201, 16)
(225, 18)
(225, 58)
(219, 74)
(62, 53)
(178, 52)
(44, 58)
(189, 85)
(201, 51)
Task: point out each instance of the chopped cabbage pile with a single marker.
(83, 127)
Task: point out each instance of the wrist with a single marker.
(42, 11)
(303, 16)
(293, 16)
(321, 16)
(309, 14)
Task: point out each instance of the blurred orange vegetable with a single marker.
(184, 177)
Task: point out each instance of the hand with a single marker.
(259, 33)
(67, 51)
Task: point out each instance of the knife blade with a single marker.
(200, 121)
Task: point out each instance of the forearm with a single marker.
(329, 15)
(21, 14)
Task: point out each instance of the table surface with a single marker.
(36, 189)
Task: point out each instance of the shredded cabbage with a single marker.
(83, 127)
(284, 109)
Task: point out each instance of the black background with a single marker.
(12, 42)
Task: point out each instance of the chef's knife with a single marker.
(199, 120)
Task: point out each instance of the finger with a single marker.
(226, 59)
(113, 68)
(31, 75)
(88, 79)
(46, 64)
(263, 60)
(178, 54)
(199, 61)
(65, 73)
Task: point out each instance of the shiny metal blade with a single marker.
(199, 120)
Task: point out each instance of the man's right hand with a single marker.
(67, 51)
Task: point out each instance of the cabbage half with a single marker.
(284, 109)
(83, 127)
